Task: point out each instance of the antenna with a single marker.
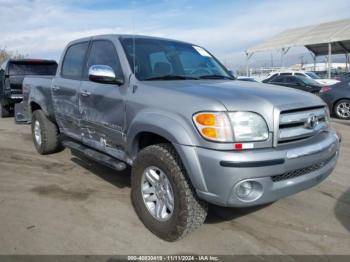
(133, 40)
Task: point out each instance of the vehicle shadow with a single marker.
(122, 179)
(119, 179)
(342, 209)
(217, 214)
(341, 122)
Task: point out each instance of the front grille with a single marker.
(294, 124)
(302, 171)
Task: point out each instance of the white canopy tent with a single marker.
(321, 39)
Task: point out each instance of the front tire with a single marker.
(45, 134)
(342, 109)
(4, 111)
(162, 195)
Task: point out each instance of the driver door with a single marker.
(102, 105)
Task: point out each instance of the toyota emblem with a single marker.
(311, 122)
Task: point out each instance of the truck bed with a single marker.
(40, 88)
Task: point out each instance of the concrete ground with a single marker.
(59, 204)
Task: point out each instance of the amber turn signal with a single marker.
(209, 132)
(206, 119)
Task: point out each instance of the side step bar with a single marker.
(95, 155)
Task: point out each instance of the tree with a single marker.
(5, 54)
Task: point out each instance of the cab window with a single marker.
(103, 52)
(74, 60)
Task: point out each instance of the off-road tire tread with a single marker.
(4, 112)
(49, 134)
(195, 212)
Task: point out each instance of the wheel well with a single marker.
(34, 106)
(147, 139)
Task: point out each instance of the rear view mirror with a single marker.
(104, 74)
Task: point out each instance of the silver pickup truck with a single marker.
(192, 134)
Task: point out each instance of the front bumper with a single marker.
(216, 173)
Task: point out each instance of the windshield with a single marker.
(32, 68)
(157, 59)
(312, 75)
(308, 81)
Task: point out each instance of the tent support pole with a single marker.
(314, 58)
(283, 53)
(248, 56)
(329, 59)
(315, 63)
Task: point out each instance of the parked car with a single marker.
(246, 78)
(337, 98)
(344, 77)
(297, 82)
(191, 133)
(12, 73)
(307, 74)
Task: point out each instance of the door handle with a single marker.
(85, 93)
(56, 88)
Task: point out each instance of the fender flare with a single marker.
(166, 125)
(38, 97)
(173, 128)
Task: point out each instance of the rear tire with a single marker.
(188, 212)
(45, 134)
(4, 111)
(342, 109)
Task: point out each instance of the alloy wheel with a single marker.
(157, 193)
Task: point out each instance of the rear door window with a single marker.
(73, 63)
(291, 80)
(279, 79)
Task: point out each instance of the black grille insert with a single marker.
(302, 171)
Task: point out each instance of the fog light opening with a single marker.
(248, 190)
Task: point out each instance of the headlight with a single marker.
(248, 127)
(231, 127)
(327, 116)
(214, 126)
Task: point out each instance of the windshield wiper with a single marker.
(215, 77)
(171, 77)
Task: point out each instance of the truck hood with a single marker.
(241, 95)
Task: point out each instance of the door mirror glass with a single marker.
(103, 74)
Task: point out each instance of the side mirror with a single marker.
(104, 74)
(232, 73)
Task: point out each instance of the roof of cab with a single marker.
(120, 36)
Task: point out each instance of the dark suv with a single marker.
(298, 82)
(12, 73)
